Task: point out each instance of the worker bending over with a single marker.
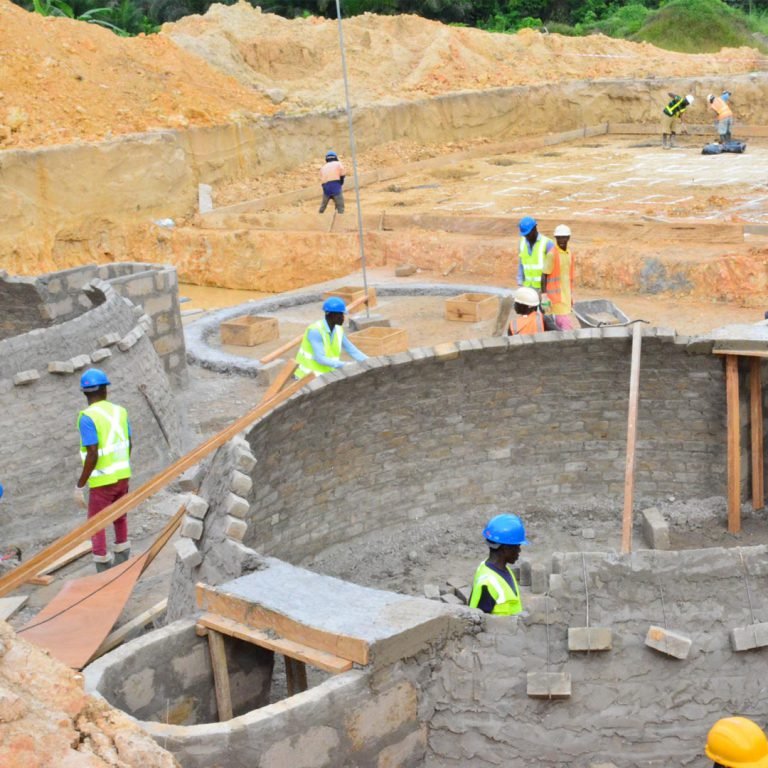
(495, 588)
(724, 119)
(332, 179)
(737, 742)
(557, 280)
(320, 349)
(105, 450)
(672, 118)
(527, 318)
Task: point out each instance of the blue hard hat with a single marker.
(93, 379)
(334, 304)
(527, 223)
(505, 529)
(331, 155)
(2, 490)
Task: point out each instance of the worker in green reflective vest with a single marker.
(495, 588)
(323, 341)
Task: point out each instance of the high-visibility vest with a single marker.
(721, 108)
(554, 284)
(114, 462)
(305, 358)
(507, 597)
(676, 107)
(522, 325)
(533, 262)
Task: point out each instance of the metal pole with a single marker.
(353, 149)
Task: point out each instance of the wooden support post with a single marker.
(756, 429)
(629, 473)
(220, 675)
(734, 443)
(290, 681)
(301, 675)
(295, 675)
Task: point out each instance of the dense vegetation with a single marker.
(682, 25)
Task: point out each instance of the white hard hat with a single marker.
(710, 97)
(562, 230)
(527, 296)
(689, 98)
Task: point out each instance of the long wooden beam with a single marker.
(734, 443)
(55, 550)
(756, 429)
(629, 474)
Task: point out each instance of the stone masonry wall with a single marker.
(40, 399)
(484, 424)
(630, 706)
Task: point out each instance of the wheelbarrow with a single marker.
(598, 313)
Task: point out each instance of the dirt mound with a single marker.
(64, 80)
(47, 720)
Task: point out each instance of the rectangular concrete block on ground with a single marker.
(590, 639)
(549, 685)
(671, 643)
(655, 529)
(749, 637)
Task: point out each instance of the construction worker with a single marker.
(737, 742)
(320, 349)
(527, 318)
(105, 449)
(533, 250)
(495, 588)
(724, 119)
(557, 280)
(332, 179)
(672, 117)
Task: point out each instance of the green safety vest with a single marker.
(111, 423)
(305, 360)
(676, 107)
(533, 262)
(507, 599)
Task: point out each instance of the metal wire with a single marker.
(586, 600)
(546, 609)
(745, 574)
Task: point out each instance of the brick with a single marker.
(655, 529)
(130, 339)
(539, 578)
(447, 351)
(464, 593)
(668, 642)
(188, 553)
(100, 354)
(405, 270)
(549, 685)
(25, 377)
(525, 573)
(590, 639)
(196, 507)
(80, 362)
(61, 366)
(432, 591)
(190, 480)
(108, 339)
(191, 528)
(240, 483)
(235, 529)
(749, 637)
(244, 460)
(236, 506)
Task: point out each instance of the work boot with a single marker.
(663, 140)
(102, 563)
(122, 552)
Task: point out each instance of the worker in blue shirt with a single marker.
(320, 349)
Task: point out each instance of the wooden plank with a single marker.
(756, 430)
(298, 651)
(121, 634)
(629, 474)
(734, 443)
(51, 553)
(282, 377)
(290, 676)
(165, 535)
(741, 352)
(9, 605)
(76, 552)
(40, 581)
(257, 616)
(300, 675)
(220, 675)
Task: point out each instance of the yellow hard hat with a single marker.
(737, 742)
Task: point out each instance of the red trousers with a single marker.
(100, 498)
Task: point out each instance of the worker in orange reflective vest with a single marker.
(557, 281)
(527, 318)
(724, 119)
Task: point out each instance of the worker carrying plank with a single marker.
(527, 318)
(323, 341)
(737, 742)
(105, 450)
(495, 588)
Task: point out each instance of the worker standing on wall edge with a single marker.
(737, 742)
(332, 179)
(557, 280)
(105, 449)
(672, 118)
(527, 318)
(320, 349)
(495, 589)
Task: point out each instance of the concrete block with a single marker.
(130, 339)
(236, 506)
(665, 641)
(191, 528)
(549, 685)
(539, 578)
(525, 574)
(240, 483)
(244, 460)
(446, 351)
(196, 507)
(590, 639)
(188, 553)
(109, 339)
(80, 361)
(588, 533)
(361, 322)
(432, 591)
(749, 637)
(655, 529)
(451, 599)
(61, 366)
(25, 377)
(406, 270)
(268, 371)
(189, 482)
(100, 354)
(235, 529)
(464, 593)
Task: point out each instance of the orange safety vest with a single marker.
(554, 287)
(721, 108)
(521, 325)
